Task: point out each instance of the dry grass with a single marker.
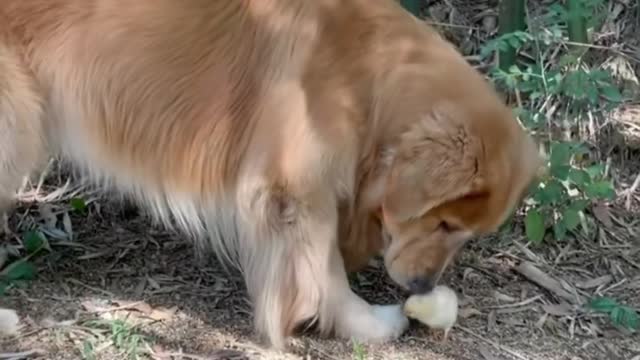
(114, 286)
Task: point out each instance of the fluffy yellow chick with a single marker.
(437, 309)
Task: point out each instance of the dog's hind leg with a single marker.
(22, 144)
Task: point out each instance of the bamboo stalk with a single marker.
(576, 23)
(511, 18)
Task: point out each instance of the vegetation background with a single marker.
(92, 279)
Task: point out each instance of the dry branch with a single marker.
(537, 276)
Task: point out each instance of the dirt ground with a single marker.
(115, 286)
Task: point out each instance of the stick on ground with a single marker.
(540, 278)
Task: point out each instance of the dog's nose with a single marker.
(420, 286)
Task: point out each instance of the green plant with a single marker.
(359, 353)
(78, 204)
(125, 337)
(21, 269)
(569, 187)
(561, 200)
(512, 21)
(620, 315)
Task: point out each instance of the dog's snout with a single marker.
(420, 285)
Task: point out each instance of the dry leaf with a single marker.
(543, 319)
(594, 283)
(563, 309)
(602, 213)
(468, 311)
(46, 212)
(491, 320)
(153, 283)
(486, 353)
(140, 306)
(159, 353)
(48, 322)
(94, 306)
(503, 297)
(466, 273)
(66, 222)
(163, 314)
(524, 293)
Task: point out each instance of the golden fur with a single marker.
(284, 134)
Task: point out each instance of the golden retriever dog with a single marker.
(294, 138)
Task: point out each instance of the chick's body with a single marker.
(438, 309)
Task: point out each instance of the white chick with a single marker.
(9, 322)
(437, 309)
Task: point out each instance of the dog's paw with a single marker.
(372, 324)
(394, 319)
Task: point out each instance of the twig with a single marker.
(220, 354)
(22, 355)
(118, 308)
(492, 343)
(630, 191)
(517, 304)
(436, 23)
(537, 276)
(80, 283)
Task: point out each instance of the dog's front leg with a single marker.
(355, 318)
(295, 272)
(341, 310)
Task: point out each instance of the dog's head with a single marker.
(459, 164)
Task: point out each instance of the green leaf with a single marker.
(629, 318)
(579, 177)
(78, 204)
(600, 190)
(553, 192)
(579, 205)
(612, 93)
(3, 287)
(19, 270)
(33, 242)
(567, 59)
(571, 218)
(603, 304)
(559, 230)
(560, 172)
(624, 316)
(595, 171)
(534, 226)
(559, 159)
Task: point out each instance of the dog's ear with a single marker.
(437, 160)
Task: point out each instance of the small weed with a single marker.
(79, 205)
(123, 336)
(620, 315)
(560, 199)
(19, 268)
(359, 353)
